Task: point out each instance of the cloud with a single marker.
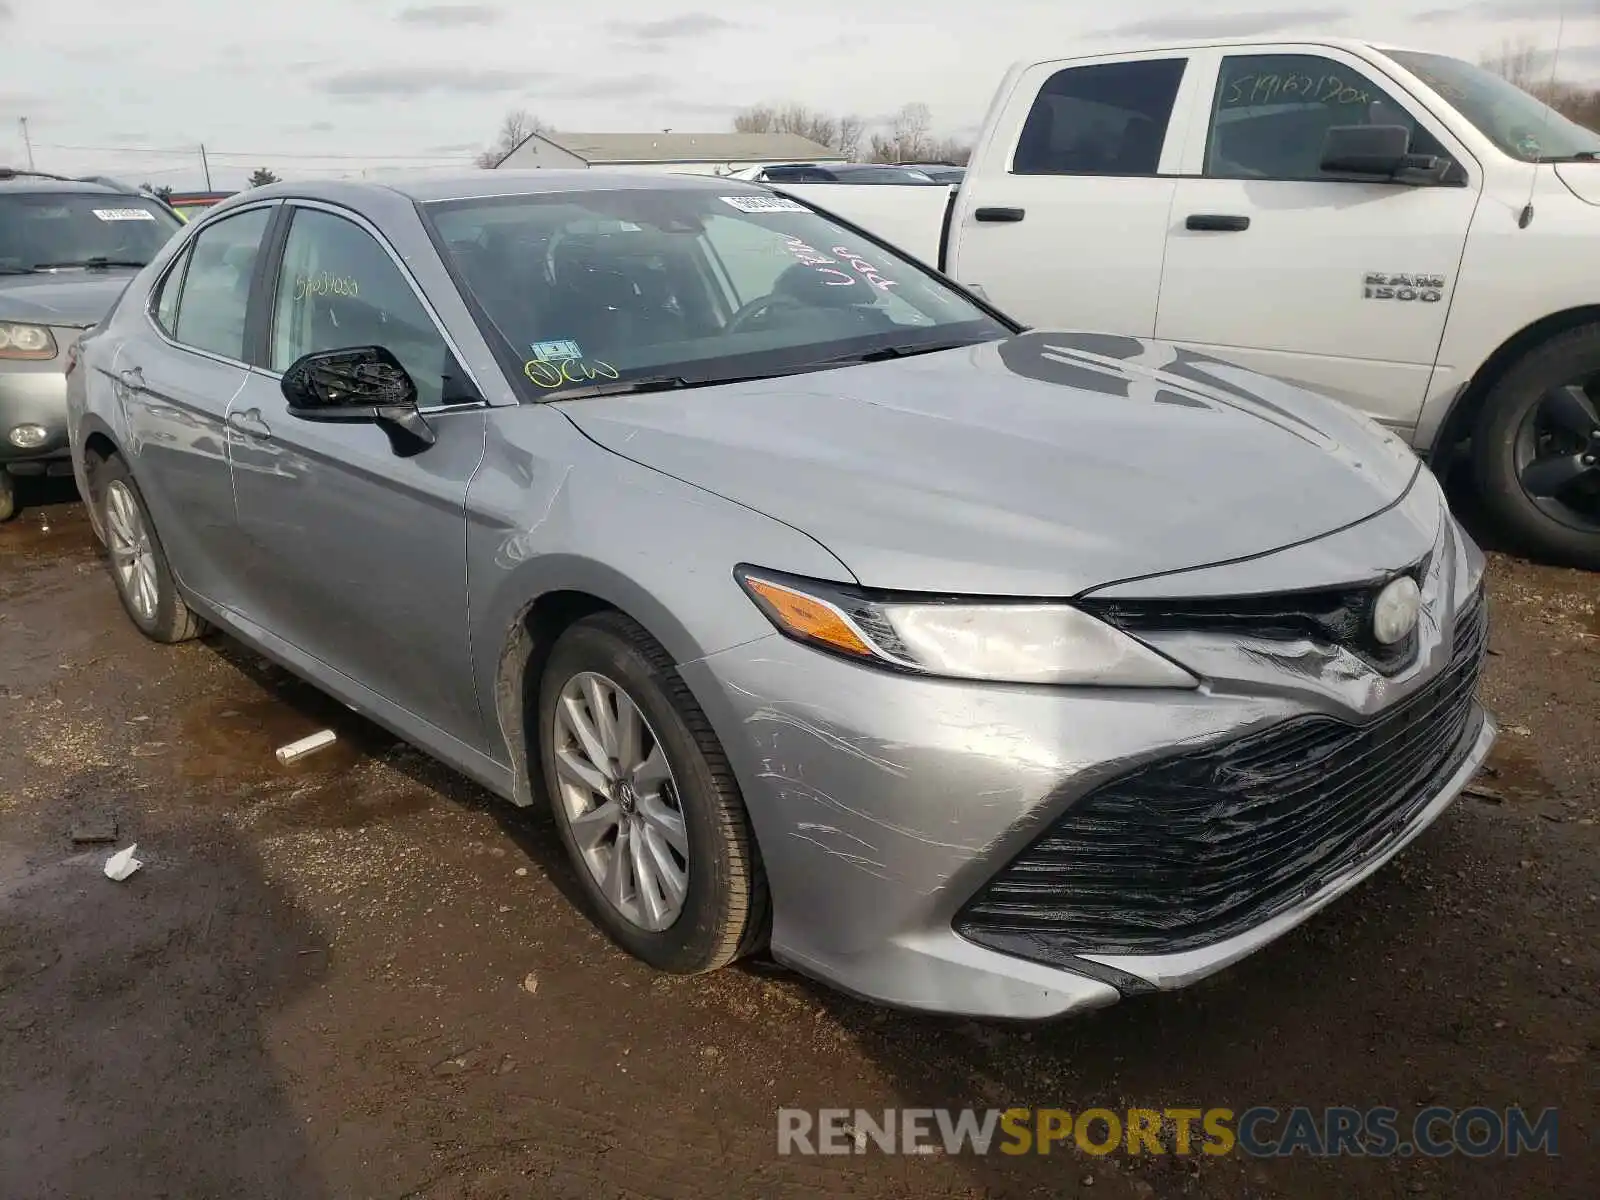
(5, 10)
(1225, 24)
(1504, 10)
(587, 88)
(447, 16)
(670, 28)
(374, 82)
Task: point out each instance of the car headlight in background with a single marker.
(998, 641)
(26, 341)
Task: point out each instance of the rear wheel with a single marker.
(1536, 450)
(139, 566)
(645, 802)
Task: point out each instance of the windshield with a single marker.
(41, 230)
(1524, 127)
(702, 284)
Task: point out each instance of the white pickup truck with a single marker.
(1403, 231)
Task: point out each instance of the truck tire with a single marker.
(1536, 451)
(8, 495)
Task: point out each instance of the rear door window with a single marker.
(1100, 119)
(216, 287)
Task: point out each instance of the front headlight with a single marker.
(26, 341)
(994, 640)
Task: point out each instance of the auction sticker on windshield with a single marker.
(556, 351)
(764, 204)
(124, 214)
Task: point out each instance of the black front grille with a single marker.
(1339, 617)
(1190, 850)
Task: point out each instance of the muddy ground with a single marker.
(319, 984)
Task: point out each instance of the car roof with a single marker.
(1148, 46)
(431, 187)
(33, 184)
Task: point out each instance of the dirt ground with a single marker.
(363, 977)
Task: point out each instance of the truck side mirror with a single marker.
(1366, 150)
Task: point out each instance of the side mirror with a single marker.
(1366, 149)
(359, 385)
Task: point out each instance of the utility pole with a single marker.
(205, 166)
(27, 141)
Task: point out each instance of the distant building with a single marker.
(695, 153)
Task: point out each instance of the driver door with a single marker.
(357, 556)
(1336, 284)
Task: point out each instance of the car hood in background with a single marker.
(72, 297)
(1043, 465)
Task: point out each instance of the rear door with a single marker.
(357, 556)
(174, 378)
(1336, 283)
(1062, 220)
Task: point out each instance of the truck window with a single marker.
(1272, 111)
(1102, 119)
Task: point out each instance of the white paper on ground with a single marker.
(122, 864)
(294, 750)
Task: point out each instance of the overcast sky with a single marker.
(332, 86)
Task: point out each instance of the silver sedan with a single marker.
(966, 668)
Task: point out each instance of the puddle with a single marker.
(232, 743)
(48, 532)
(1516, 772)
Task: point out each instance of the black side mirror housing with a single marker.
(1365, 149)
(359, 385)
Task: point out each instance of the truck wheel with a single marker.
(1536, 450)
(8, 495)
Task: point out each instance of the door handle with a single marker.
(1217, 223)
(998, 214)
(249, 423)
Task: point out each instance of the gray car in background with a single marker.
(67, 249)
(969, 669)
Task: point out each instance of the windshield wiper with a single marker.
(4, 270)
(91, 264)
(629, 387)
(883, 353)
(1577, 156)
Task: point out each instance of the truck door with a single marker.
(1062, 218)
(1334, 282)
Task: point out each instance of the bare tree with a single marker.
(260, 177)
(851, 130)
(1520, 63)
(842, 134)
(518, 125)
(1530, 68)
(909, 139)
(758, 118)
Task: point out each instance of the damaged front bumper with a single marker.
(888, 808)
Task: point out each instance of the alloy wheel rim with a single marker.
(133, 559)
(620, 801)
(1557, 454)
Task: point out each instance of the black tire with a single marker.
(8, 495)
(725, 910)
(1529, 528)
(172, 620)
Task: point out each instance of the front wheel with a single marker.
(139, 568)
(645, 801)
(1536, 450)
(8, 495)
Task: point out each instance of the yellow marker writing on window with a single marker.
(568, 370)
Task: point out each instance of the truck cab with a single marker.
(1402, 231)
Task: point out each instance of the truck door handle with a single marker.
(1217, 223)
(249, 423)
(998, 214)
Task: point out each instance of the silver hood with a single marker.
(1044, 465)
(74, 299)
